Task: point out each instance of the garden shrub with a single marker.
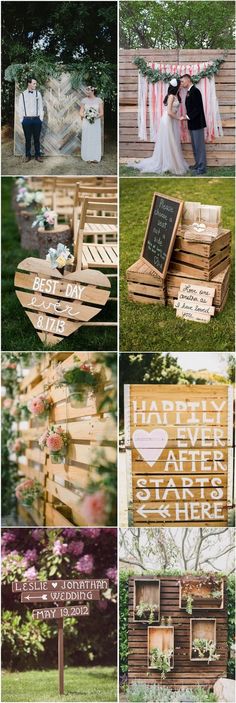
(144, 693)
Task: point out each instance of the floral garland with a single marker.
(155, 75)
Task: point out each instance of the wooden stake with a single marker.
(60, 655)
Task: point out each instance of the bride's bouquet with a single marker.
(91, 114)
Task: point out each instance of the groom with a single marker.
(196, 123)
(31, 117)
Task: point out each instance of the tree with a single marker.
(182, 25)
(187, 549)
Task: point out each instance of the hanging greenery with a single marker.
(101, 75)
(155, 75)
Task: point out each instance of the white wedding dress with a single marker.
(167, 155)
(91, 140)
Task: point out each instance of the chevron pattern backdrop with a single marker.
(62, 125)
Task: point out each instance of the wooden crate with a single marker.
(163, 638)
(203, 600)
(202, 628)
(220, 282)
(199, 260)
(144, 286)
(148, 591)
(185, 672)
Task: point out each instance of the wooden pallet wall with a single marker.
(61, 125)
(185, 672)
(221, 153)
(88, 429)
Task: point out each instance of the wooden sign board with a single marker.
(161, 231)
(195, 303)
(61, 585)
(57, 596)
(73, 611)
(58, 305)
(179, 443)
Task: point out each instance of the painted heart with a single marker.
(54, 584)
(150, 444)
(58, 305)
(199, 226)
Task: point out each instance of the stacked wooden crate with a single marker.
(144, 285)
(198, 262)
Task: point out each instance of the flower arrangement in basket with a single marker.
(82, 381)
(193, 589)
(205, 649)
(28, 491)
(56, 441)
(60, 257)
(45, 218)
(40, 405)
(18, 446)
(161, 660)
(91, 114)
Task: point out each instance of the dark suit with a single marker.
(196, 124)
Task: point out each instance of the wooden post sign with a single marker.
(161, 231)
(59, 590)
(58, 305)
(179, 442)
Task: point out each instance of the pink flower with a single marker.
(85, 564)
(37, 405)
(31, 555)
(31, 573)
(60, 429)
(59, 548)
(7, 403)
(17, 446)
(90, 532)
(43, 438)
(112, 574)
(93, 508)
(54, 442)
(37, 534)
(23, 487)
(76, 548)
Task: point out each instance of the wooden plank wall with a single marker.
(61, 125)
(185, 672)
(88, 429)
(221, 153)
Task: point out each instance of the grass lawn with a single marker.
(215, 171)
(81, 684)
(18, 333)
(154, 327)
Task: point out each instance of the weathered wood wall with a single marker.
(168, 451)
(88, 429)
(185, 672)
(61, 128)
(221, 153)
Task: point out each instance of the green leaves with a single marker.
(154, 75)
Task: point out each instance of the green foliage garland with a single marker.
(155, 75)
(100, 74)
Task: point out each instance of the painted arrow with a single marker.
(41, 597)
(163, 511)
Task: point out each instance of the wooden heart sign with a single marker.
(58, 305)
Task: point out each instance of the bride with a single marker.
(167, 155)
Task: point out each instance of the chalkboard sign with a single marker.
(161, 232)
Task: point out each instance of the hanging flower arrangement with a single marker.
(40, 405)
(46, 218)
(18, 446)
(59, 257)
(56, 441)
(28, 491)
(155, 75)
(82, 380)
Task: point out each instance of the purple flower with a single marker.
(112, 574)
(31, 555)
(70, 532)
(8, 537)
(91, 532)
(37, 534)
(85, 564)
(75, 548)
(59, 548)
(30, 573)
